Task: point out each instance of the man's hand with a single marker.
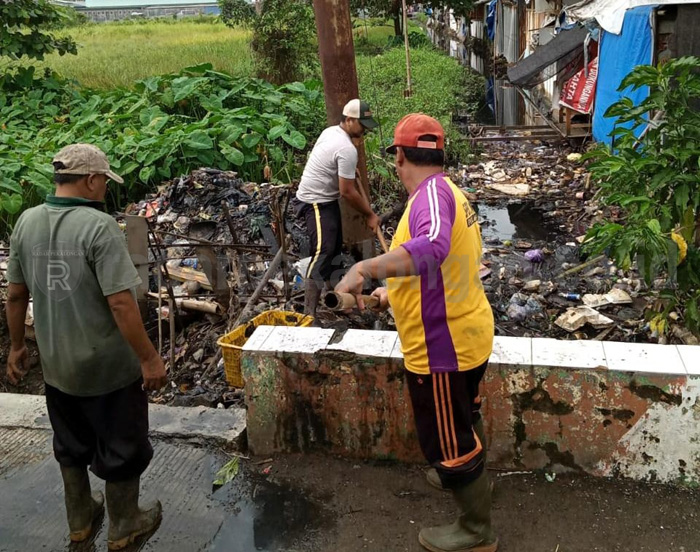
(383, 296)
(17, 364)
(373, 222)
(153, 370)
(353, 282)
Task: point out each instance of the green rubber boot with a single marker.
(312, 297)
(432, 475)
(83, 508)
(472, 531)
(127, 521)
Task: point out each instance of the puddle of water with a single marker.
(521, 221)
(268, 516)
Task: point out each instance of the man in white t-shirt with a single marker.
(329, 175)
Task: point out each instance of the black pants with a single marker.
(445, 407)
(325, 232)
(109, 432)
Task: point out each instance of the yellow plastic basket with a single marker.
(232, 343)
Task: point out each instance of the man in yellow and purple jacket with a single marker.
(445, 324)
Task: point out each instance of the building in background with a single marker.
(113, 10)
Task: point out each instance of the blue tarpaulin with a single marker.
(619, 54)
(491, 20)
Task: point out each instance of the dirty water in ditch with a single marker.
(514, 221)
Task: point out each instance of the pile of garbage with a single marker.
(216, 241)
(551, 176)
(212, 217)
(535, 204)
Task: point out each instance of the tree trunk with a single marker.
(397, 25)
(396, 15)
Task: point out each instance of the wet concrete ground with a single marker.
(248, 514)
(317, 503)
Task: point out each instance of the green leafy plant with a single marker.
(415, 40)
(653, 182)
(25, 29)
(283, 37)
(167, 126)
(237, 12)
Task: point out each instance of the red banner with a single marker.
(578, 92)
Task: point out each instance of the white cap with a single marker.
(357, 109)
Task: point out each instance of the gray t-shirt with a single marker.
(71, 256)
(333, 155)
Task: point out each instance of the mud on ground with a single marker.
(381, 508)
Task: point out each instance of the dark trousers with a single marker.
(325, 232)
(445, 407)
(109, 432)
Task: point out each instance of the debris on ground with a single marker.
(535, 205)
(577, 317)
(215, 258)
(216, 240)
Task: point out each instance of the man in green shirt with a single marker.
(97, 360)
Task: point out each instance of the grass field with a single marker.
(118, 54)
(111, 55)
(371, 36)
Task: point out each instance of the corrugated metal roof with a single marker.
(526, 72)
(611, 13)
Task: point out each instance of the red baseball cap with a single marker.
(414, 126)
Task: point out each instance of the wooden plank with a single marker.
(137, 244)
(525, 97)
(186, 274)
(517, 138)
(513, 127)
(215, 273)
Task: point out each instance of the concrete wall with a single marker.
(604, 408)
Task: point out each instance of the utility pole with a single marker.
(337, 54)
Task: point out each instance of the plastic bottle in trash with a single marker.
(571, 296)
(298, 283)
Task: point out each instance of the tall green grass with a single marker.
(117, 55)
(371, 36)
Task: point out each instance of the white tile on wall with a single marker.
(512, 350)
(690, 355)
(557, 353)
(396, 351)
(258, 338)
(643, 357)
(285, 339)
(367, 342)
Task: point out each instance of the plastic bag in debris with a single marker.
(535, 255)
(191, 262)
(521, 306)
(302, 266)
